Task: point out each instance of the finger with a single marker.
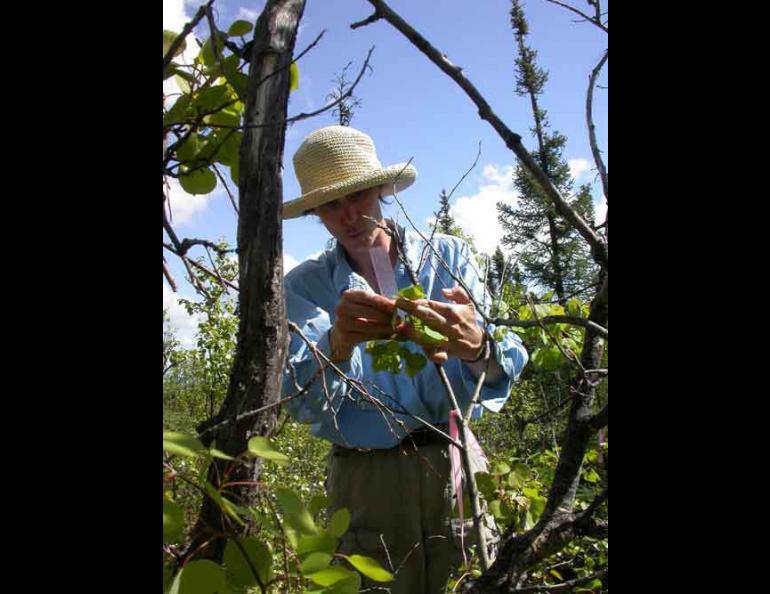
(449, 311)
(422, 311)
(367, 298)
(436, 354)
(356, 310)
(457, 294)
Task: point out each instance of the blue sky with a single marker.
(412, 110)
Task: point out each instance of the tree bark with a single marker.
(255, 379)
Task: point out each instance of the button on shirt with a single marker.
(340, 413)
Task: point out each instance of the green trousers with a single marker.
(400, 505)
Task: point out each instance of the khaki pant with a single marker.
(399, 501)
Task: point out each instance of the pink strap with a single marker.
(454, 457)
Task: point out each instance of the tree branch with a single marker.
(596, 21)
(185, 32)
(592, 128)
(575, 321)
(564, 586)
(511, 139)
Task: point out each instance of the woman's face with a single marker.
(344, 219)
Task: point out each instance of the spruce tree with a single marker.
(551, 253)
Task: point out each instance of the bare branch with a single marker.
(575, 321)
(227, 188)
(592, 128)
(511, 139)
(565, 586)
(200, 267)
(594, 20)
(185, 32)
(167, 274)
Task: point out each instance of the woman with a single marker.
(386, 466)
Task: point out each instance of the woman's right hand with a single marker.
(361, 316)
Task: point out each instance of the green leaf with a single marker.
(168, 41)
(214, 98)
(179, 112)
(574, 307)
(239, 82)
(340, 522)
(239, 28)
(235, 171)
(223, 117)
(294, 512)
(432, 337)
(330, 575)
(189, 148)
(591, 476)
(199, 181)
(220, 454)
(370, 568)
(349, 585)
(238, 569)
(293, 77)
(556, 574)
(228, 151)
(182, 83)
(495, 508)
(227, 506)
(173, 521)
(261, 447)
(500, 468)
(486, 484)
(317, 503)
(415, 362)
(412, 292)
(200, 577)
(316, 543)
(315, 562)
(207, 55)
(182, 444)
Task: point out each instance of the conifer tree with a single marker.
(552, 256)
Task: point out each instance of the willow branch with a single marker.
(592, 128)
(511, 139)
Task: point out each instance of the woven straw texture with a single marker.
(336, 161)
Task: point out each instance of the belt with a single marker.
(424, 436)
(420, 437)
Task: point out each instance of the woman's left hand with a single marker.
(456, 321)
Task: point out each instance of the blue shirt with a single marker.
(313, 290)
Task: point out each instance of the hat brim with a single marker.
(402, 174)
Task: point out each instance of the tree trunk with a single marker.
(255, 379)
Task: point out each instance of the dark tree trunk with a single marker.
(255, 380)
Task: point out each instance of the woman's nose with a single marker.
(349, 212)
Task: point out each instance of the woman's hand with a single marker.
(361, 316)
(456, 321)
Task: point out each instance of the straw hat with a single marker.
(339, 160)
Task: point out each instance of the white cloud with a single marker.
(578, 168)
(600, 210)
(185, 327)
(246, 14)
(184, 206)
(289, 262)
(175, 17)
(477, 214)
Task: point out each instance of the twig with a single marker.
(167, 274)
(302, 53)
(303, 116)
(199, 266)
(424, 249)
(595, 21)
(227, 188)
(565, 586)
(583, 322)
